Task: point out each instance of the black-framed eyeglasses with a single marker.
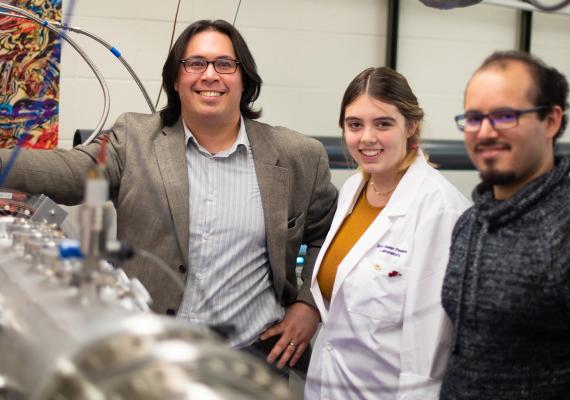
(504, 118)
(198, 65)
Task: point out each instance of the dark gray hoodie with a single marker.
(507, 292)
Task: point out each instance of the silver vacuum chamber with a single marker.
(71, 332)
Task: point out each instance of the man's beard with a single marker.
(500, 178)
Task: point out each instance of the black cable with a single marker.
(235, 16)
(169, 47)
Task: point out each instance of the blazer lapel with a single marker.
(273, 185)
(170, 150)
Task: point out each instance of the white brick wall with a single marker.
(440, 49)
(306, 50)
(551, 42)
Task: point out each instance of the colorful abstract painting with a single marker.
(29, 76)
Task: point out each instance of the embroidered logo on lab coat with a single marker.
(391, 250)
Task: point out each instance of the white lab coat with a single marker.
(387, 337)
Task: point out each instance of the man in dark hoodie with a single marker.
(507, 287)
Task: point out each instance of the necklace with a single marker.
(379, 193)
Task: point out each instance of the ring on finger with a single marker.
(292, 344)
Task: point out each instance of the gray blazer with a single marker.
(148, 177)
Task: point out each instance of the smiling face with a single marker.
(508, 159)
(375, 133)
(209, 97)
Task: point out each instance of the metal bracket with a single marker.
(47, 211)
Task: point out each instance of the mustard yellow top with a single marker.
(352, 228)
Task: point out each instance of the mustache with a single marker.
(492, 144)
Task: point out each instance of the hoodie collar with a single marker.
(501, 211)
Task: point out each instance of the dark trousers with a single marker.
(262, 348)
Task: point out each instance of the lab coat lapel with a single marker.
(344, 208)
(397, 207)
(369, 239)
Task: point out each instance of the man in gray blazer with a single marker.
(224, 200)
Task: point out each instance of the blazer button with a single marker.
(170, 311)
(182, 269)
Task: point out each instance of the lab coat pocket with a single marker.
(379, 291)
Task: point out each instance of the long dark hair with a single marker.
(251, 79)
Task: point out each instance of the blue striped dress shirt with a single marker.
(229, 280)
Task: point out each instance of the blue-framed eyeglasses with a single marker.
(504, 118)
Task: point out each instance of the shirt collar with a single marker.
(241, 141)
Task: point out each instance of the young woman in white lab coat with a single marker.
(377, 280)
